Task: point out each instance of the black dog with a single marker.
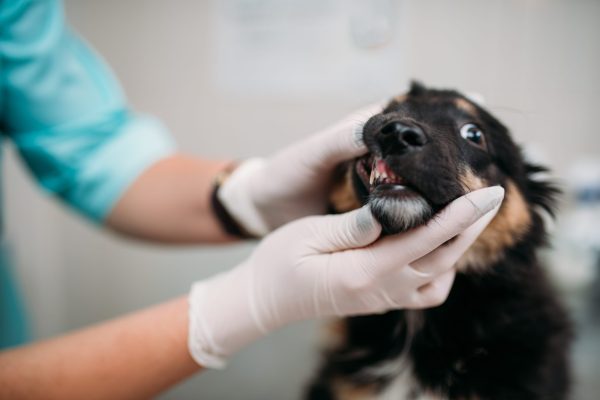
(501, 334)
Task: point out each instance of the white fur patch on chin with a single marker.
(398, 215)
(404, 386)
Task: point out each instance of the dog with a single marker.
(501, 333)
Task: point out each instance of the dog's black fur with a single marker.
(502, 333)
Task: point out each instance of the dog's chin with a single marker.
(399, 208)
(394, 202)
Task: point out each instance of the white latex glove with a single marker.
(332, 266)
(263, 194)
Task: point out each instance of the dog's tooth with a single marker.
(372, 177)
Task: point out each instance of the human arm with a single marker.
(315, 267)
(132, 357)
(66, 115)
(171, 201)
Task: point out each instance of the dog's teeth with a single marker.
(381, 173)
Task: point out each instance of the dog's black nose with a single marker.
(398, 138)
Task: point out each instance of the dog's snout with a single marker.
(398, 138)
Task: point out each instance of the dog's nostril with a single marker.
(396, 136)
(413, 137)
(392, 129)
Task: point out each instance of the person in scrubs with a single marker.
(65, 114)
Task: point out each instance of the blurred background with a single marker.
(239, 78)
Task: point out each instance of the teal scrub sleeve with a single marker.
(65, 111)
(14, 324)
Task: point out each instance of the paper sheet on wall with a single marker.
(296, 49)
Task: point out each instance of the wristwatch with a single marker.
(228, 223)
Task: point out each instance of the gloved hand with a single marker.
(332, 266)
(263, 194)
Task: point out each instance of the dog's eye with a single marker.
(472, 133)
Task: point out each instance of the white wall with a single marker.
(535, 62)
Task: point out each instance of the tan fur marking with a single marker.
(333, 334)
(400, 98)
(470, 181)
(465, 106)
(509, 225)
(346, 391)
(343, 197)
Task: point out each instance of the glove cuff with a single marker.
(222, 317)
(201, 345)
(234, 197)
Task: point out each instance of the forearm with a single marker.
(170, 202)
(135, 356)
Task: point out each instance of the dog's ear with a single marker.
(541, 191)
(416, 89)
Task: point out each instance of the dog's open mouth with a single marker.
(394, 201)
(380, 180)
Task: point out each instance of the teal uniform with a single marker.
(66, 115)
